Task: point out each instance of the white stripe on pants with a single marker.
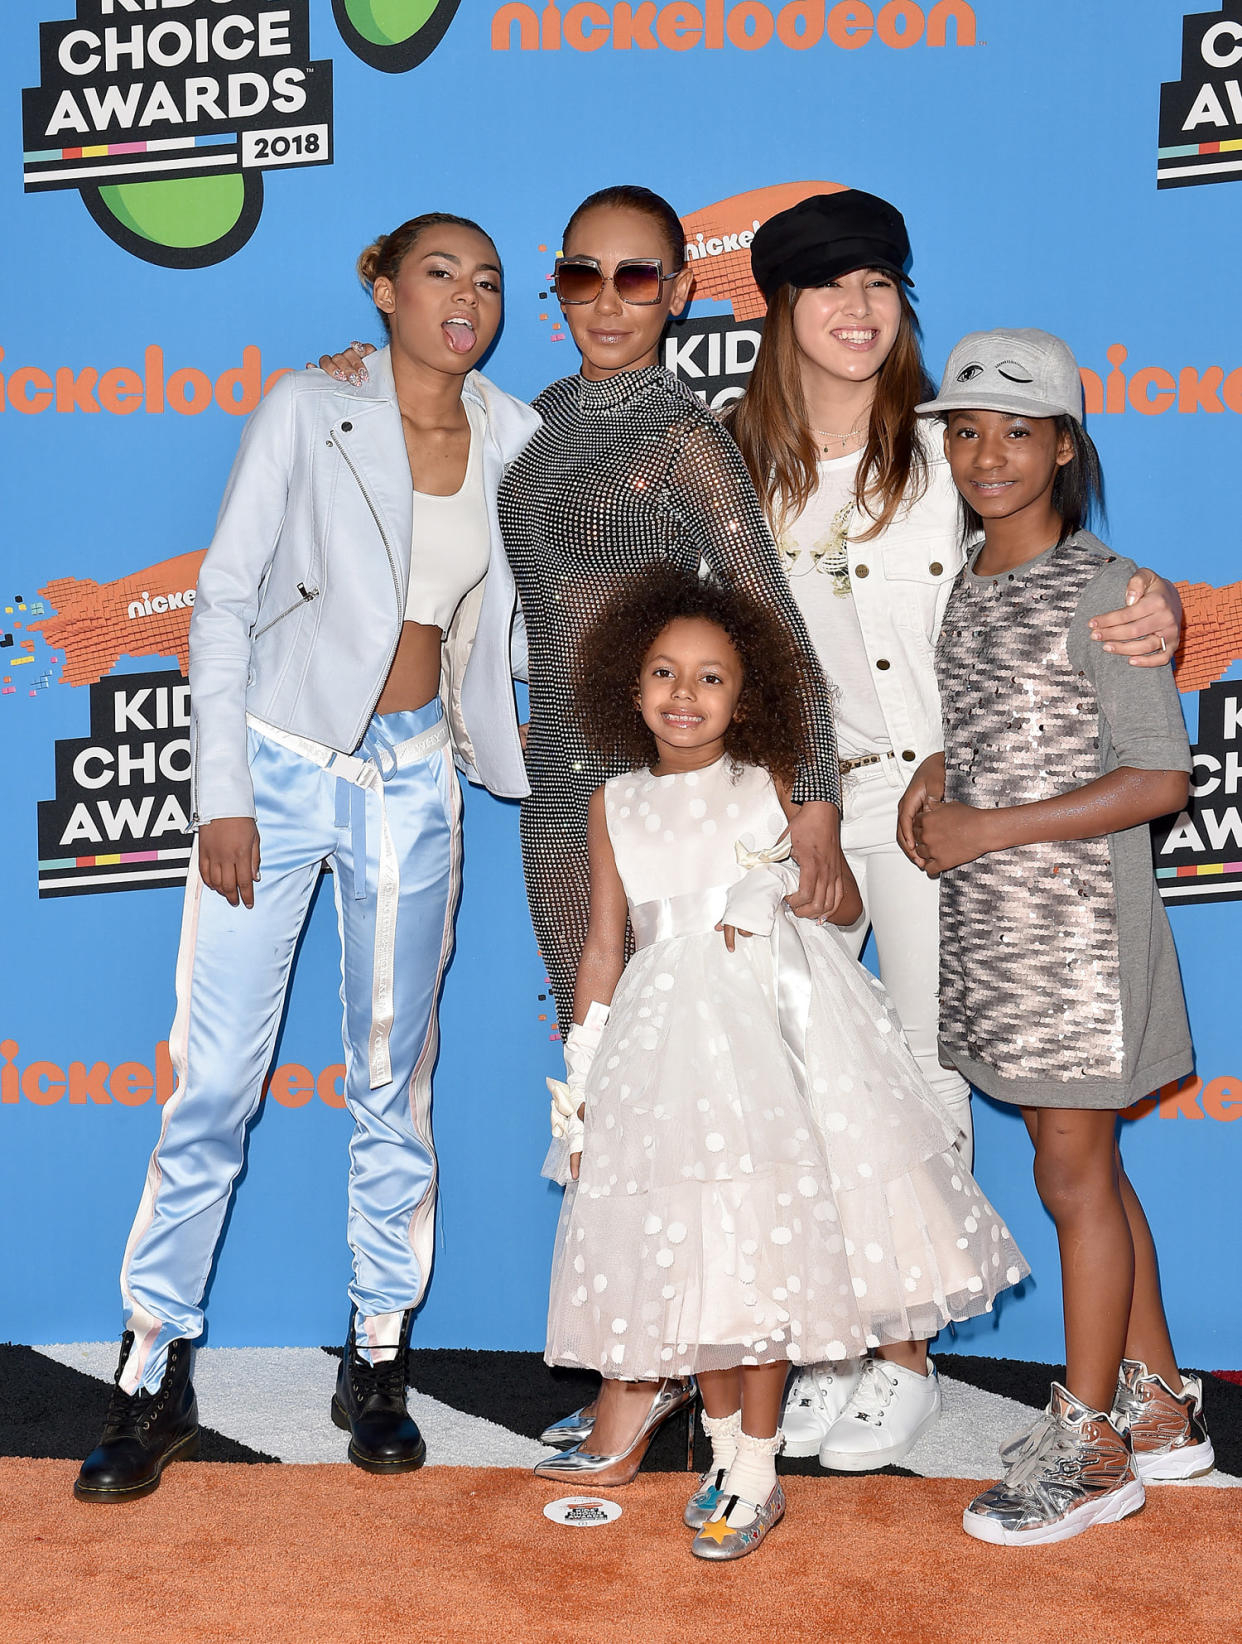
(232, 973)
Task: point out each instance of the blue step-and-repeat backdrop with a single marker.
(185, 186)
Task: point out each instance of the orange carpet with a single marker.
(275, 1553)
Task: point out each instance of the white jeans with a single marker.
(901, 905)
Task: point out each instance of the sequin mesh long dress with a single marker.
(766, 1174)
(625, 474)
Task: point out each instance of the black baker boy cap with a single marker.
(828, 235)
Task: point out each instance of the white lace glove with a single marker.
(569, 1093)
(752, 904)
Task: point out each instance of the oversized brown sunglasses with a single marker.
(637, 280)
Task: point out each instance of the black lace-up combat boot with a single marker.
(143, 1432)
(370, 1404)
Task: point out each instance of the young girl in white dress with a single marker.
(763, 1176)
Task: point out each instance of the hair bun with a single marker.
(370, 259)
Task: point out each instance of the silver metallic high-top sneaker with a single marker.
(1075, 1470)
(1166, 1429)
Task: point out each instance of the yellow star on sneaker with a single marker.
(716, 1529)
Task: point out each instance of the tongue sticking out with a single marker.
(460, 336)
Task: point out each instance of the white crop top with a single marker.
(451, 542)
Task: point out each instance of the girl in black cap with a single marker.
(865, 514)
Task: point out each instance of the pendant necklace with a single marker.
(842, 439)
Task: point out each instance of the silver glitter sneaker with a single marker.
(718, 1542)
(1166, 1429)
(1072, 1471)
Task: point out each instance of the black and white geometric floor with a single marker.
(484, 1409)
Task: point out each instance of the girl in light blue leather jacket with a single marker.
(356, 564)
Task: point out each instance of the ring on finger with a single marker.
(1163, 646)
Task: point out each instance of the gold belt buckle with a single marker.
(847, 765)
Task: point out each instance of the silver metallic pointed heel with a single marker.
(570, 1430)
(610, 1472)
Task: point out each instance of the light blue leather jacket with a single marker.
(302, 593)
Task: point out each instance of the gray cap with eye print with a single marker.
(1024, 373)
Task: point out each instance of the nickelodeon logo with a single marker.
(1192, 1098)
(121, 390)
(749, 25)
(718, 243)
(133, 1084)
(94, 621)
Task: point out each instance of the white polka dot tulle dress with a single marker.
(766, 1174)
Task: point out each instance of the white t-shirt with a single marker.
(813, 549)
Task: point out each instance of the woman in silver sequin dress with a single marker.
(628, 471)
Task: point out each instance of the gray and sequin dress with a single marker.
(1059, 982)
(625, 474)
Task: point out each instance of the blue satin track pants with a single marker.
(388, 819)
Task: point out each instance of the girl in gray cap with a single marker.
(865, 514)
(1059, 986)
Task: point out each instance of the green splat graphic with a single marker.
(187, 212)
(393, 36)
(180, 222)
(388, 22)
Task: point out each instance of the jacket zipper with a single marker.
(307, 594)
(392, 566)
(196, 737)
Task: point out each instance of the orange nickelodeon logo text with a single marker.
(1191, 1098)
(1151, 390)
(133, 1084)
(121, 390)
(748, 25)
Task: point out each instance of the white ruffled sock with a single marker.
(751, 1478)
(723, 1432)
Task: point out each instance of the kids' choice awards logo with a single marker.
(165, 114)
(120, 817)
(1201, 114)
(1198, 855)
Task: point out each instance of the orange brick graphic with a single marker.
(724, 276)
(1212, 640)
(96, 624)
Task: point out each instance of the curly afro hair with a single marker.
(770, 727)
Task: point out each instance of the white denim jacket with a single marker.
(901, 583)
(302, 593)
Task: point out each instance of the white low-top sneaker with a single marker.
(816, 1397)
(888, 1412)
